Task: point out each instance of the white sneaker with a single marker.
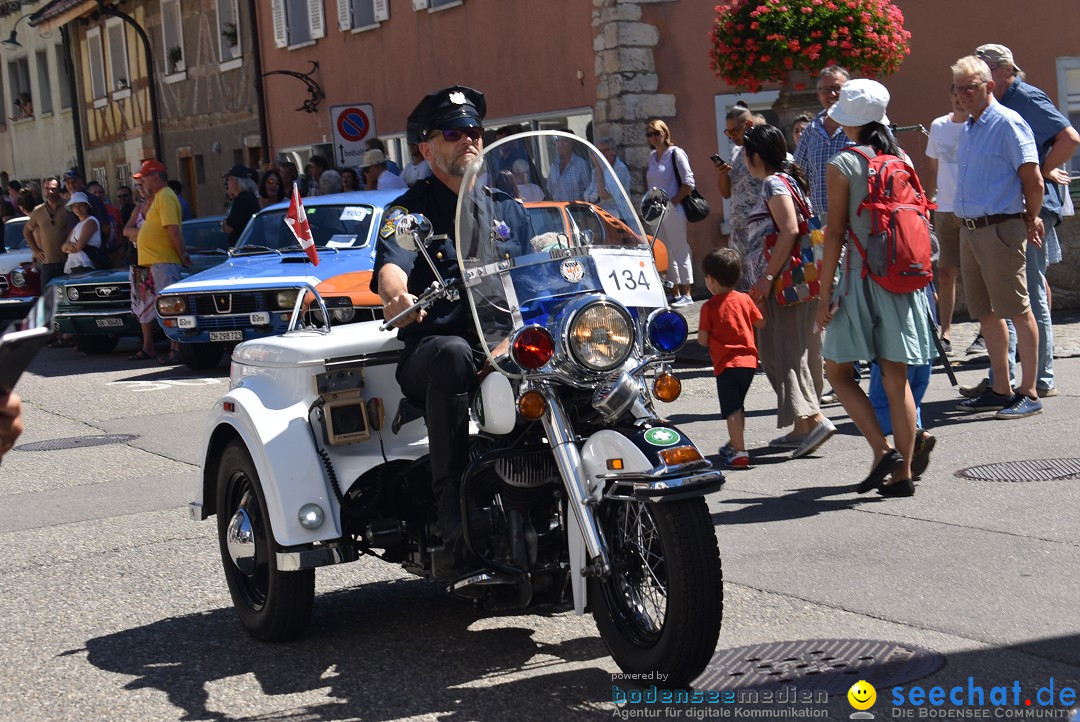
(682, 301)
(815, 438)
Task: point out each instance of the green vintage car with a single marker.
(95, 307)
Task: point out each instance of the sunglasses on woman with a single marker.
(453, 135)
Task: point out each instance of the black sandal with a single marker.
(880, 471)
(904, 487)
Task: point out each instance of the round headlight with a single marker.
(286, 299)
(667, 330)
(18, 278)
(171, 305)
(601, 336)
(72, 293)
(343, 315)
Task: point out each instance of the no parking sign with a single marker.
(351, 124)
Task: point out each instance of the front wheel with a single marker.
(273, 605)
(660, 609)
(96, 345)
(201, 356)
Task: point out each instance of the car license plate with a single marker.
(109, 322)
(226, 335)
(260, 318)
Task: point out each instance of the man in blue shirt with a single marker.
(1056, 141)
(999, 193)
(823, 138)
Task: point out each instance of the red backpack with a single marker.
(897, 255)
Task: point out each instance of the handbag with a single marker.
(694, 205)
(800, 279)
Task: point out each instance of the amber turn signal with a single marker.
(667, 387)
(680, 455)
(531, 405)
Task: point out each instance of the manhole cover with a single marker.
(77, 442)
(830, 665)
(1034, 470)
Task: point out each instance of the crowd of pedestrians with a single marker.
(997, 159)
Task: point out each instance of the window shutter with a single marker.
(344, 15)
(281, 30)
(419, 4)
(382, 10)
(316, 19)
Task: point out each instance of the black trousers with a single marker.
(437, 373)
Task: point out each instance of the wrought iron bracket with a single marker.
(315, 91)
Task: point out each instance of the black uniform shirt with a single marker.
(431, 198)
(243, 207)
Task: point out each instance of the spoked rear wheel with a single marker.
(273, 605)
(661, 607)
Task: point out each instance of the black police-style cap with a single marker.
(240, 171)
(453, 107)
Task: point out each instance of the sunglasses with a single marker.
(453, 135)
(732, 132)
(651, 133)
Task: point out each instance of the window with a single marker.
(119, 76)
(97, 67)
(228, 30)
(760, 102)
(19, 85)
(63, 77)
(172, 35)
(362, 14)
(44, 96)
(1068, 75)
(297, 22)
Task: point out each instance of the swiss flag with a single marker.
(296, 218)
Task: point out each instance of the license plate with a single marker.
(260, 318)
(109, 322)
(226, 335)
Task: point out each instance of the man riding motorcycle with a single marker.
(442, 356)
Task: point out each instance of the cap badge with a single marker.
(457, 97)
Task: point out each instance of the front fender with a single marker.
(290, 471)
(630, 463)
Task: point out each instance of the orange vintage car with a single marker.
(348, 299)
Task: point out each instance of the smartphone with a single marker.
(23, 339)
(715, 158)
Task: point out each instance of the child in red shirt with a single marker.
(727, 328)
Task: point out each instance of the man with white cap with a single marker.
(999, 194)
(376, 174)
(1056, 141)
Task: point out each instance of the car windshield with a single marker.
(204, 236)
(13, 235)
(340, 226)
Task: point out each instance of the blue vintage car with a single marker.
(254, 293)
(95, 307)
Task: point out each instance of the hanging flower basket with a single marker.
(761, 41)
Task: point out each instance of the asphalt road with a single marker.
(114, 607)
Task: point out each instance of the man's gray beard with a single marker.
(456, 169)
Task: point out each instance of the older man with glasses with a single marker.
(999, 194)
(823, 138)
(442, 355)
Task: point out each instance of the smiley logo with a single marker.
(862, 695)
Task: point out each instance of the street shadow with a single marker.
(795, 504)
(381, 651)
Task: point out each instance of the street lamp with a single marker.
(12, 42)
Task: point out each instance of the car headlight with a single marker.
(18, 278)
(171, 305)
(71, 291)
(59, 292)
(343, 315)
(601, 336)
(286, 299)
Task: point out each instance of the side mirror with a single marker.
(412, 232)
(653, 204)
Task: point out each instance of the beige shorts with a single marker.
(947, 228)
(993, 264)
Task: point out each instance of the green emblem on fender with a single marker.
(478, 407)
(662, 437)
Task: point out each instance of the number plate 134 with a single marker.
(630, 277)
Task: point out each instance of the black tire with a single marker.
(201, 356)
(273, 605)
(669, 546)
(96, 345)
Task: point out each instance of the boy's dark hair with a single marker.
(724, 265)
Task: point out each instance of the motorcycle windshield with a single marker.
(542, 218)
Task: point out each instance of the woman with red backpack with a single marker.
(877, 308)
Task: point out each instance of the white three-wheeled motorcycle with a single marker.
(578, 491)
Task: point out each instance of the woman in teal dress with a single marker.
(863, 321)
